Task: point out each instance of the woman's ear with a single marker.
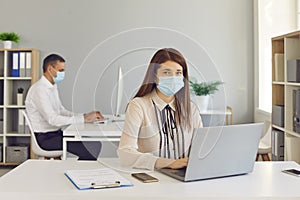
(157, 80)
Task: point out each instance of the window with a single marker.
(275, 17)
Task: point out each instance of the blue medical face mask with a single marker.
(60, 76)
(170, 85)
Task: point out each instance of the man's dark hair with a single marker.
(51, 60)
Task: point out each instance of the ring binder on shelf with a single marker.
(15, 64)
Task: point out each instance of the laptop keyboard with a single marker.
(180, 172)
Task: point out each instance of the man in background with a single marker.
(48, 116)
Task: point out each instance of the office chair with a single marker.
(35, 146)
(265, 146)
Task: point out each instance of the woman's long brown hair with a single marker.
(182, 97)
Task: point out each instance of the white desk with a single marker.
(40, 179)
(111, 131)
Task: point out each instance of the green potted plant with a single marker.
(9, 37)
(203, 91)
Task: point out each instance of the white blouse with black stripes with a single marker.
(151, 131)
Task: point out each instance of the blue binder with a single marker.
(15, 64)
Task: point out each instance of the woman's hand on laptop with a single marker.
(180, 163)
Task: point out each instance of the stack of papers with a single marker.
(96, 178)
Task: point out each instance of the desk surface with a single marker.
(40, 179)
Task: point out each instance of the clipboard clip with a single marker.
(105, 185)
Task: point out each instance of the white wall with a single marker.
(215, 36)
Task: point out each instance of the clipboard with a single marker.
(96, 179)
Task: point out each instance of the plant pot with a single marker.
(202, 102)
(7, 44)
(20, 99)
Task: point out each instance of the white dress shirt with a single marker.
(139, 144)
(44, 108)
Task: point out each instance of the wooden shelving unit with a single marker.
(282, 91)
(8, 100)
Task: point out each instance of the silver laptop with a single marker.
(220, 151)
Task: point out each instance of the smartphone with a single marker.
(294, 172)
(145, 178)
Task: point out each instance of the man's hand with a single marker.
(180, 163)
(93, 116)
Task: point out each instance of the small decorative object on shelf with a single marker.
(202, 92)
(9, 37)
(20, 97)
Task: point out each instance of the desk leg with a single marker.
(226, 119)
(229, 122)
(64, 155)
(229, 119)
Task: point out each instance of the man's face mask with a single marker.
(60, 76)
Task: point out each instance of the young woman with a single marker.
(160, 118)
